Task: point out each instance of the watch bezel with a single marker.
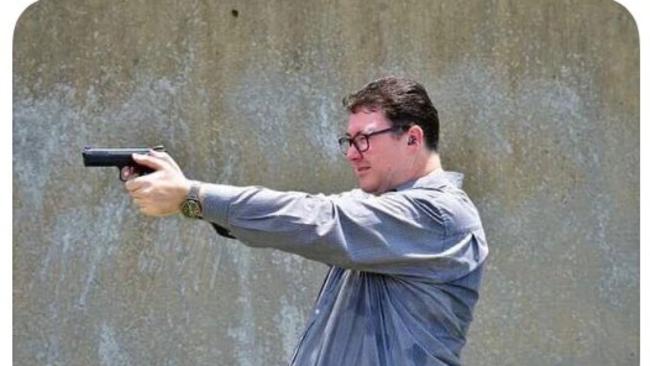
(191, 208)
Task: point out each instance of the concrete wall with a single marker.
(539, 105)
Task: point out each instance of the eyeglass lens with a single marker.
(360, 143)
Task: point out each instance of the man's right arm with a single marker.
(398, 233)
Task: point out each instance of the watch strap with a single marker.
(193, 194)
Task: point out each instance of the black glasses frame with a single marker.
(346, 142)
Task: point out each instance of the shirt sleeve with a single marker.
(417, 232)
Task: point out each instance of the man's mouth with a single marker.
(362, 169)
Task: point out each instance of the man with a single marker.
(406, 250)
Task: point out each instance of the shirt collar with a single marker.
(436, 179)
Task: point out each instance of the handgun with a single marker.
(121, 157)
(118, 157)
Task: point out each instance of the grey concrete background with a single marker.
(539, 105)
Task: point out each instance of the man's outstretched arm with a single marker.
(412, 233)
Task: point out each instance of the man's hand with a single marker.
(161, 192)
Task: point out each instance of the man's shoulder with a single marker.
(439, 179)
(448, 201)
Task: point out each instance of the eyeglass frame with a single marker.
(351, 140)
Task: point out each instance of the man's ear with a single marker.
(415, 135)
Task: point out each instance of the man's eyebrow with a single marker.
(362, 132)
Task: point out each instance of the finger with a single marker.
(135, 184)
(125, 172)
(138, 195)
(164, 156)
(150, 161)
(130, 185)
(128, 172)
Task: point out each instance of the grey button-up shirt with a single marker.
(405, 266)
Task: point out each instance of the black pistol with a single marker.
(118, 157)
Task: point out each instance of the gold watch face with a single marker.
(191, 208)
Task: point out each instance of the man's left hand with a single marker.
(161, 192)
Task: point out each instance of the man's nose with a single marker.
(353, 154)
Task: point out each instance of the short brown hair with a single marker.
(403, 101)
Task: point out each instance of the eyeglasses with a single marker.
(361, 141)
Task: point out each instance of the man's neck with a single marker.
(431, 164)
(427, 164)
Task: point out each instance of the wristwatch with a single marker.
(191, 207)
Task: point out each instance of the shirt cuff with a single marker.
(215, 201)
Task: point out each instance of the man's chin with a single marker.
(368, 188)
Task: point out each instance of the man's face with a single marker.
(381, 167)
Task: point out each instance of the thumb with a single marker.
(166, 157)
(149, 161)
